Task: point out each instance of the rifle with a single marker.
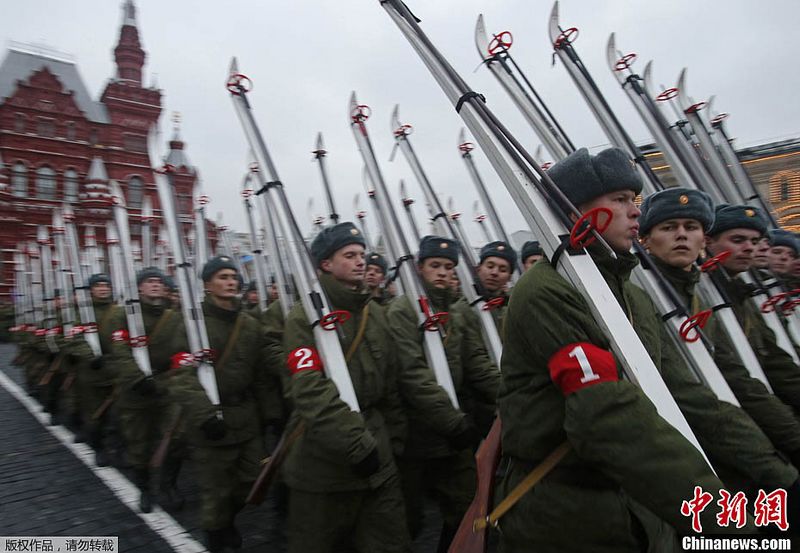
(161, 452)
(468, 538)
(272, 463)
(112, 397)
(55, 366)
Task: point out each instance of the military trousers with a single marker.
(143, 427)
(449, 480)
(366, 521)
(225, 474)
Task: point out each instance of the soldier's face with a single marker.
(151, 289)
(252, 296)
(530, 260)
(101, 291)
(494, 273)
(347, 265)
(676, 242)
(781, 259)
(374, 276)
(624, 226)
(761, 255)
(741, 242)
(437, 271)
(223, 284)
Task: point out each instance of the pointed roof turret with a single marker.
(176, 156)
(98, 194)
(129, 54)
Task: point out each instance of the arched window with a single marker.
(20, 122)
(135, 192)
(19, 180)
(70, 185)
(70, 130)
(45, 183)
(784, 189)
(784, 186)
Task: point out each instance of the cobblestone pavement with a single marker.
(46, 489)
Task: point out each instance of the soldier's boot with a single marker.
(169, 483)
(141, 478)
(215, 540)
(96, 442)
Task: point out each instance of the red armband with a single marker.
(181, 359)
(304, 359)
(580, 365)
(120, 335)
(40, 332)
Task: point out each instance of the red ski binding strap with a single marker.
(494, 303)
(501, 41)
(329, 321)
(713, 263)
(546, 165)
(625, 62)
(788, 307)
(581, 234)
(566, 36)
(138, 341)
(466, 147)
(254, 167)
(769, 305)
(360, 113)
(694, 108)
(238, 84)
(667, 94)
(698, 320)
(203, 200)
(716, 120)
(205, 356)
(407, 202)
(167, 168)
(432, 322)
(403, 130)
(247, 193)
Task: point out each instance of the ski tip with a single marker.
(396, 117)
(611, 53)
(462, 136)
(647, 73)
(481, 40)
(554, 26)
(320, 143)
(682, 78)
(353, 100)
(233, 67)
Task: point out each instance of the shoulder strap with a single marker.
(229, 345)
(360, 334)
(107, 317)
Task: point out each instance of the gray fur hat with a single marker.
(97, 278)
(215, 265)
(780, 237)
(676, 203)
(436, 246)
(379, 261)
(149, 272)
(529, 248)
(583, 177)
(331, 239)
(727, 217)
(500, 249)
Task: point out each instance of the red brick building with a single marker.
(58, 144)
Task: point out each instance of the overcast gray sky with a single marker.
(306, 56)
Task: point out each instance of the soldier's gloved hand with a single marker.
(214, 428)
(145, 386)
(466, 435)
(369, 465)
(97, 363)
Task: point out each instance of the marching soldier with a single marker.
(96, 375)
(531, 253)
(621, 486)
(672, 227)
(782, 253)
(375, 278)
(497, 261)
(250, 299)
(146, 410)
(738, 229)
(344, 487)
(430, 463)
(227, 452)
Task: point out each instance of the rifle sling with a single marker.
(362, 328)
(539, 472)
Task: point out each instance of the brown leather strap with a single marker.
(362, 328)
(523, 487)
(231, 341)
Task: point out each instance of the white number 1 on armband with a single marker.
(588, 374)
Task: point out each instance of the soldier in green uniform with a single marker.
(344, 487)
(622, 485)
(672, 228)
(430, 463)
(496, 264)
(738, 229)
(227, 452)
(782, 253)
(375, 278)
(531, 253)
(96, 375)
(145, 407)
(250, 298)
